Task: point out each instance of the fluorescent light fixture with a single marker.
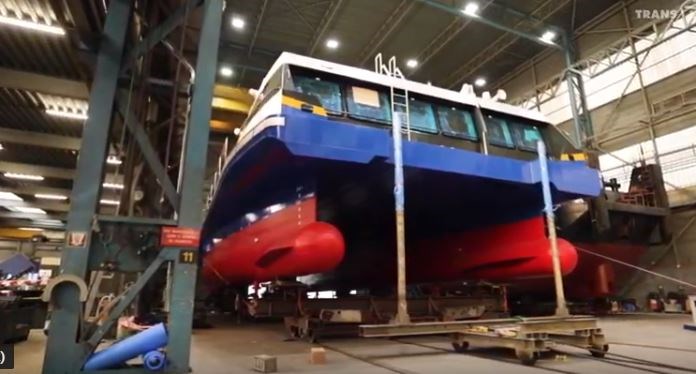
(31, 25)
(115, 186)
(109, 202)
(9, 196)
(28, 177)
(238, 22)
(471, 9)
(50, 196)
(26, 209)
(548, 37)
(480, 82)
(332, 43)
(113, 160)
(1, 147)
(226, 71)
(30, 229)
(412, 63)
(67, 114)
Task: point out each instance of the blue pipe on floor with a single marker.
(141, 343)
(154, 360)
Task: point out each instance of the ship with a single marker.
(307, 190)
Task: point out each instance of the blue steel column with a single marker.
(191, 183)
(62, 352)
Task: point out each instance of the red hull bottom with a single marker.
(594, 277)
(290, 243)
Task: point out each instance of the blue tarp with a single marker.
(17, 265)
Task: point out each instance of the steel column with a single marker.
(149, 154)
(191, 180)
(63, 355)
(576, 94)
(159, 33)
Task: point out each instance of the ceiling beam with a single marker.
(23, 80)
(37, 216)
(39, 139)
(444, 37)
(45, 205)
(542, 12)
(326, 21)
(259, 22)
(32, 189)
(9, 225)
(44, 171)
(387, 28)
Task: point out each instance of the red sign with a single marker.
(180, 237)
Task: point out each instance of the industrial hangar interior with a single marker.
(406, 186)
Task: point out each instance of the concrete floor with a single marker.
(229, 348)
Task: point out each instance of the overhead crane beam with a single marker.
(39, 139)
(23, 80)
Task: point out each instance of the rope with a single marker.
(672, 279)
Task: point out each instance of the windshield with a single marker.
(369, 104)
(421, 116)
(457, 122)
(512, 133)
(328, 93)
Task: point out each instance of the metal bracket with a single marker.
(65, 278)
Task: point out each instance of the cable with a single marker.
(675, 280)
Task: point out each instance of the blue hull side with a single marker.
(349, 168)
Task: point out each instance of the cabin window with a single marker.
(498, 132)
(526, 135)
(421, 116)
(327, 93)
(457, 122)
(368, 104)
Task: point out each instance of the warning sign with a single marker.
(77, 239)
(180, 237)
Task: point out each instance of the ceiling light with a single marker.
(480, 82)
(9, 196)
(49, 196)
(226, 71)
(236, 131)
(30, 25)
(115, 186)
(471, 9)
(1, 147)
(332, 43)
(28, 177)
(412, 63)
(238, 23)
(113, 160)
(109, 202)
(26, 209)
(30, 229)
(548, 37)
(67, 114)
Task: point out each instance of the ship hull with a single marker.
(468, 215)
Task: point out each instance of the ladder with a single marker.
(399, 97)
(218, 173)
